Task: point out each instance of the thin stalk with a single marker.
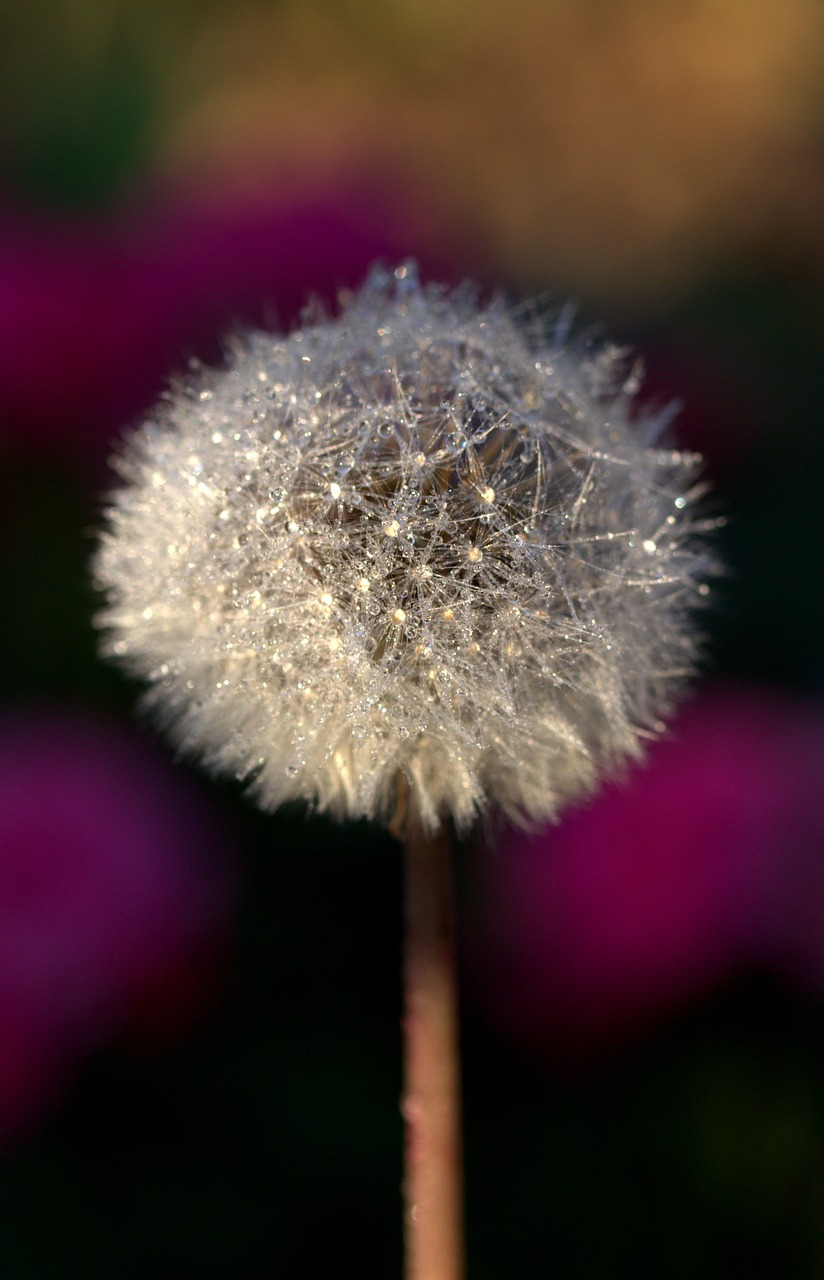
(431, 1103)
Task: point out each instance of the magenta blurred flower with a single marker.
(707, 861)
(94, 315)
(114, 888)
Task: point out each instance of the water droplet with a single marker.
(456, 441)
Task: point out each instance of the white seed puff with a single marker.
(423, 537)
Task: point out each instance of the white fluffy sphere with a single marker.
(421, 538)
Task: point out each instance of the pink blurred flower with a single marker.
(707, 861)
(113, 888)
(94, 316)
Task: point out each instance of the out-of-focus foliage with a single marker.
(616, 147)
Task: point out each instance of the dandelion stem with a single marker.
(431, 1103)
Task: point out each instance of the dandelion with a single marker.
(419, 539)
(426, 549)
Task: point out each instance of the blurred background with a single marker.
(199, 1037)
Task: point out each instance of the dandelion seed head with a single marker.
(421, 537)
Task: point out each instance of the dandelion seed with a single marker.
(501, 525)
